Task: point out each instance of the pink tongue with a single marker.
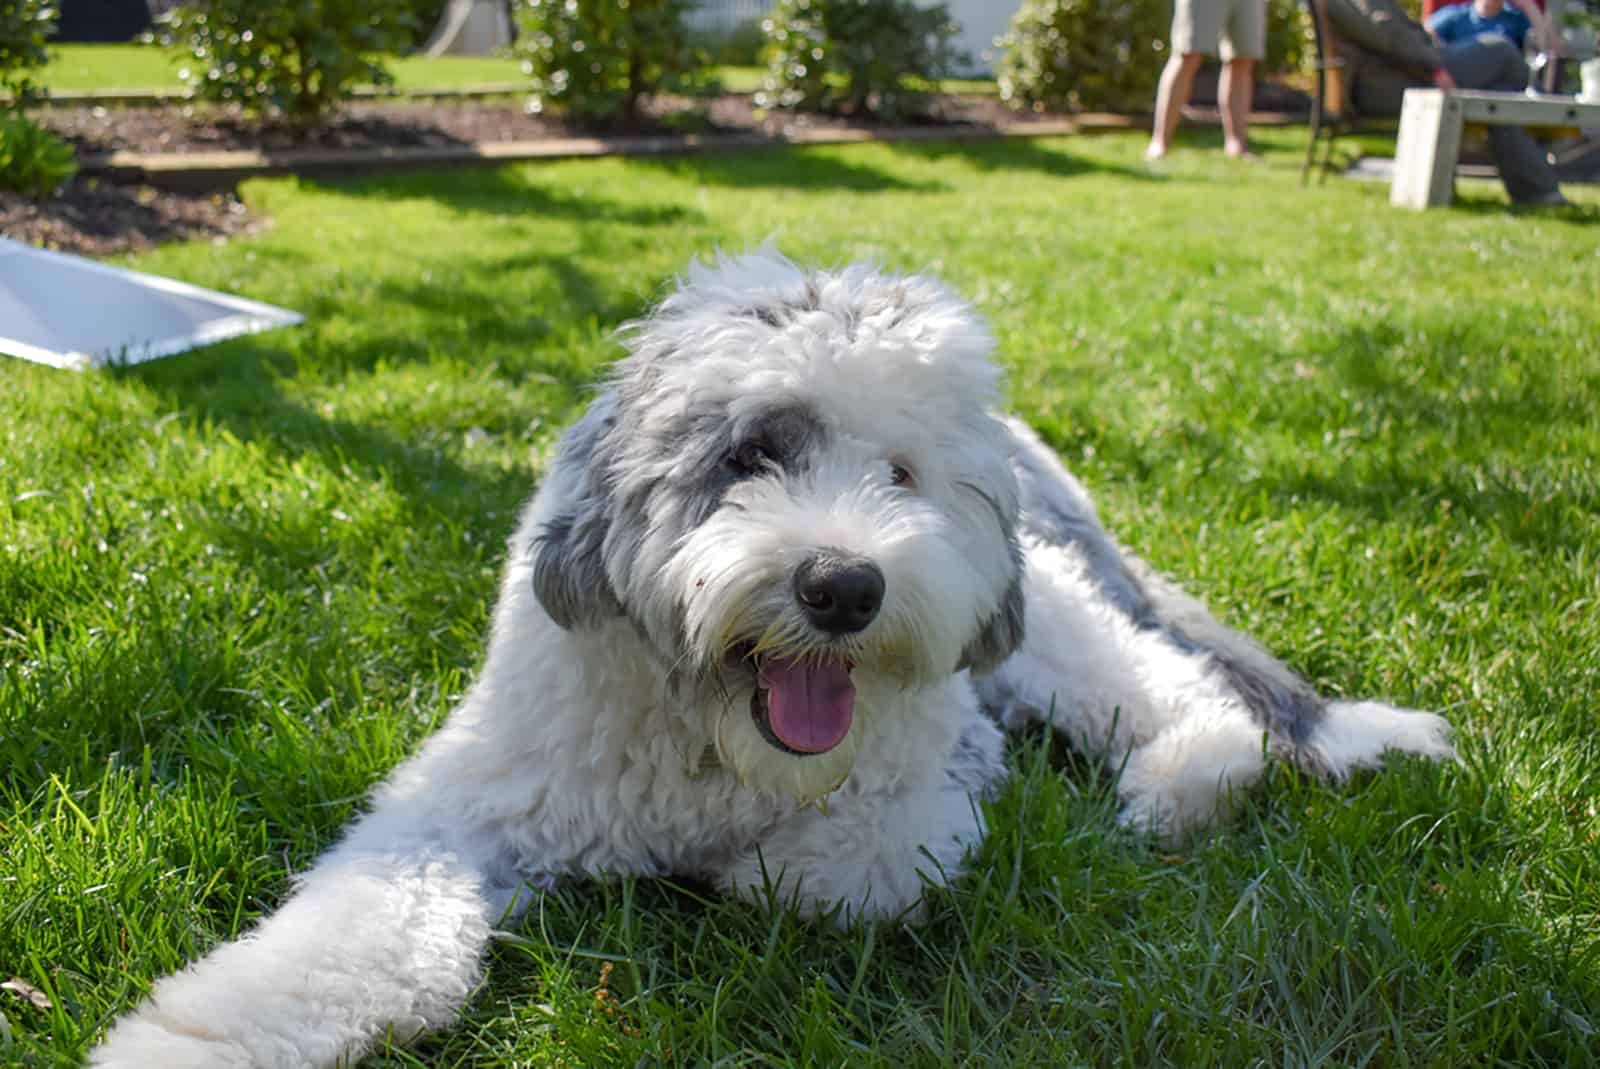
(809, 704)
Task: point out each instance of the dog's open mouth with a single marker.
(803, 705)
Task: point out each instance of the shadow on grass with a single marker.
(508, 190)
(185, 683)
(1019, 154)
(492, 318)
(1470, 203)
(780, 167)
(1472, 405)
(1461, 406)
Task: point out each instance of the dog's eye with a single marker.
(901, 475)
(752, 457)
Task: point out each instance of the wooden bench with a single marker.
(1430, 135)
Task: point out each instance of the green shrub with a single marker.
(1070, 55)
(25, 25)
(855, 56)
(1289, 40)
(296, 58)
(740, 45)
(32, 159)
(425, 16)
(597, 59)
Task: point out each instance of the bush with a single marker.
(25, 25)
(425, 16)
(1290, 43)
(740, 45)
(598, 58)
(1071, 55)
(32, 159)
(299, 59)
(854, 56)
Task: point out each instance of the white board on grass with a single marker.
(70, 312)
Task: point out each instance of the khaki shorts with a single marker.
(1230, 29)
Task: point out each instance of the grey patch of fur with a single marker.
(1057, 511)
(1001, 703)
(775, 316)
(1063, 519)
(647, 471)
(569, 574)
(1001, 633)
(977, 765)
(766, 316)
(1283, 703)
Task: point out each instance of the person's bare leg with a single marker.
(1172, 94)
(1236, 87)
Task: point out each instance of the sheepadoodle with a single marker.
(786, 583)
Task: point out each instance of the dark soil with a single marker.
(403, 124)
(96, 218)
(99, 218)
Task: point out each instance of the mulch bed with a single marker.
(98, 217)
(403, 124)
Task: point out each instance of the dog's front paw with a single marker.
(1185, 777)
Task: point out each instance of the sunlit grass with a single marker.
(107, 67)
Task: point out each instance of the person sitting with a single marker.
(1385, 53)
(1546, 34)
(1463, 22)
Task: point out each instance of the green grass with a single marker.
(106, 67)
(238, 586)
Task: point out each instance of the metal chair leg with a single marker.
(1311, 144)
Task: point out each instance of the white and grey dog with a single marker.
(762, 625)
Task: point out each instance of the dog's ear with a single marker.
(1000, 634)
(569, 568)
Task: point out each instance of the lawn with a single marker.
(109, 67)
(238, 586)
(103, 67)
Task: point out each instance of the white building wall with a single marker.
(981, 21)
(726, 14)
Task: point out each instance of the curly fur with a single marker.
(763, 414)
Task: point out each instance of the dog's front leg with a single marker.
(381, 939)
(870, 853)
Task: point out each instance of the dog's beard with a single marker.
(806, 777)
(792, 723)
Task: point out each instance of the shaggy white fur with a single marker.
(760, 624)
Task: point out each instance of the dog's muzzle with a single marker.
(804, 703)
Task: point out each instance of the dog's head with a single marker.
(794, 488)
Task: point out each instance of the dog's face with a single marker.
(794, 488)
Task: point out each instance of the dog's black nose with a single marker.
(840, 595)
